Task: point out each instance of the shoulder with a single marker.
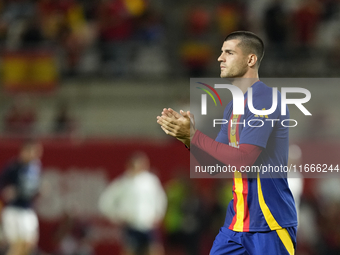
(10, 172)
(263, 94)
(118, 181)
(150, 178)
(264, 97)
(148, 175)
(13, 165)
(261, 90)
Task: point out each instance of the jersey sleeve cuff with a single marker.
(195, 138)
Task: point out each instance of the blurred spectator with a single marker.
(231, 16)
(277, 27)
(14, 17)
(73, 34)
(64, 123)
(150, 27)
(196, 57)
(51, 17)
(330, 9)
(32, 36)
(72, 236)
(185, 217)
(137, 202)
(122, 37)
(21, 117)
(307, 19)
(276, 21)
(20, 184)
(196, 51)
(198, 21)
(151, 54)
(116, 21)
(64, 22)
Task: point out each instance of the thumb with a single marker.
(192, 119)
(190, 114)
(184, 114)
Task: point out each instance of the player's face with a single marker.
(37, 151)
(142, 163)
(233, 62)
(32, 152)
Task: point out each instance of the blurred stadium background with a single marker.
(89, 77)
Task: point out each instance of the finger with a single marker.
(170, 114)
(190, 114)
(159, 119)
(166, 124)
(174, 113)
(168, 132)
(185, 114)
(165, 112)
(166, 119)
(192, 117)
(169, 129)
(165, 131)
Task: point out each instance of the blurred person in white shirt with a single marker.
(137, 202)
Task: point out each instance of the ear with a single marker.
(252, 59)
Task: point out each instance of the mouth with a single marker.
(222, 67)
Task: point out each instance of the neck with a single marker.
(246, 81)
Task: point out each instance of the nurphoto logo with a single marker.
(238, 103)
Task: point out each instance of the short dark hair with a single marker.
(136, 156)
(249, 42)
(29, 142)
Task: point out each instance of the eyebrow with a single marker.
(227, 50)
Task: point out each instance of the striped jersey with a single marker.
(261, 202)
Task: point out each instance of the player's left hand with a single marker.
(181, 126)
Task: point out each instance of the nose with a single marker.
(220, 58)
